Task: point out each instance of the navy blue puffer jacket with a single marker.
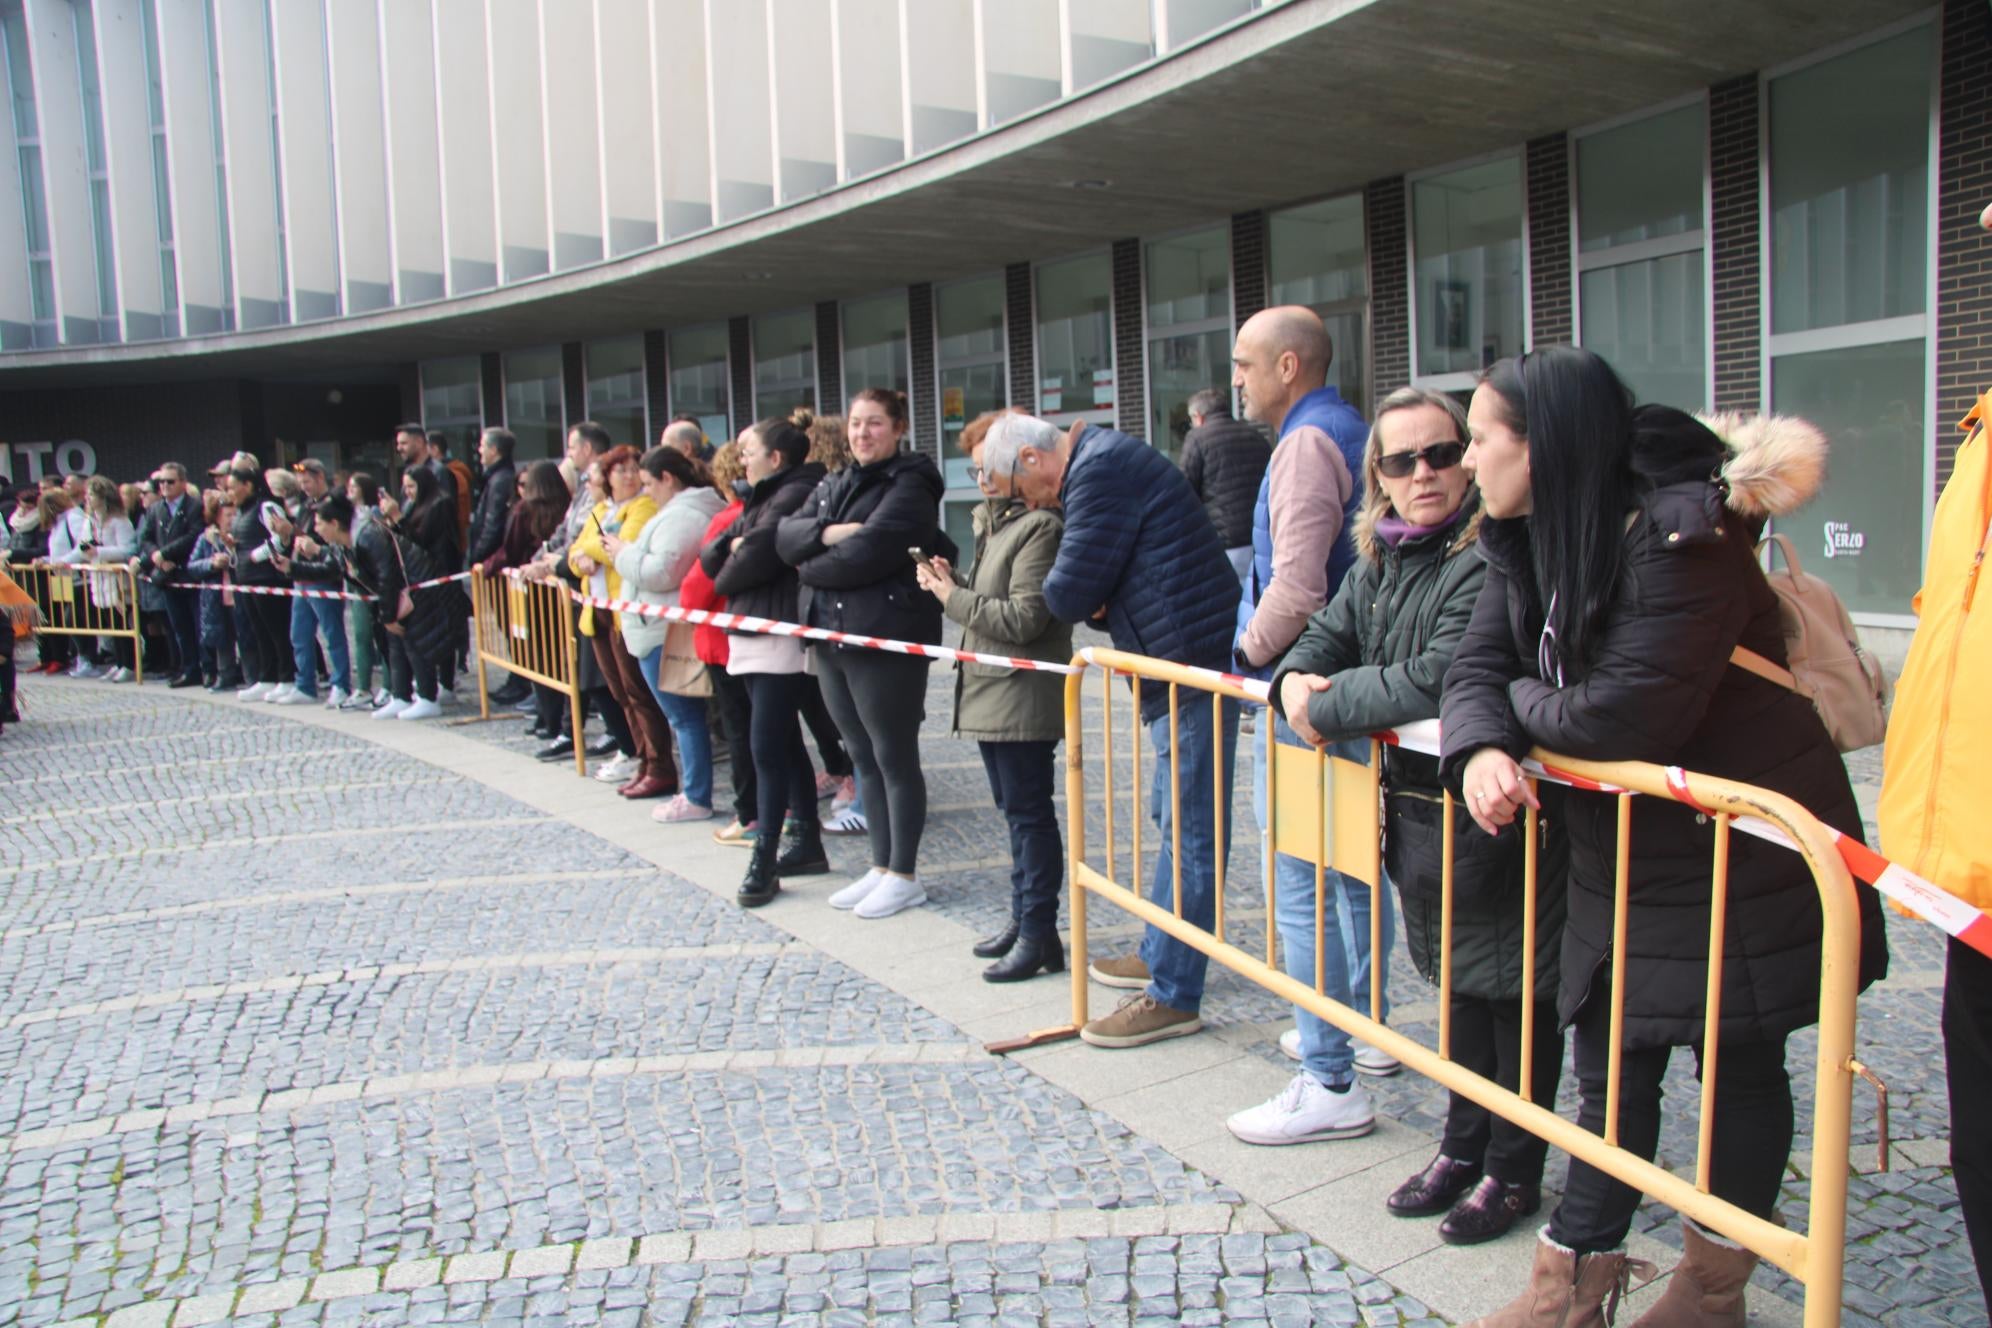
(1137, 540)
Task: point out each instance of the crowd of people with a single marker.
(1549, 565)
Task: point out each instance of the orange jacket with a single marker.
(1933, 790)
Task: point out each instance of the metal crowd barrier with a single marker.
(526, 628)
(85, 600)
(1326, 811)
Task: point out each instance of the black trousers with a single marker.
(269, 629)
(410, 672)
(1022, 782)
(736, 713)
(1753, 1128)
(878, 701)
(785, 782)
(1487, 1039)
(829, 742)
(1967, 1024)
(183, 610)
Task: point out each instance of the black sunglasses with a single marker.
(1439, 456)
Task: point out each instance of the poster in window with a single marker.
(1449, 315)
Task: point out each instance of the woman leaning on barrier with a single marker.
(746, 569)
(1373, 659)
(1016, 716)
(729, 484)
(1621, 575)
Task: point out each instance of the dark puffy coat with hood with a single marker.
(1386, 640)
(494, 504)
(1660, 688)
(1224, 460)
(1137, 541)
(866, 583)
(382, 562)
(751, 574)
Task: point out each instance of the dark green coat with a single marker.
(1002, 611)
(1386, 640)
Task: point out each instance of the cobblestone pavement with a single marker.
(296, 1029)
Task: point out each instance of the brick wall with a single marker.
(740, 362)
(574, 381)
(657, 379)
(1551, 317)
(920, 345)
(1248, 265)
(1964, 249)
(1130, 381)
(491, 380)
(829, 359)
(1734, 243)
(1022, 335)
(1390, 309)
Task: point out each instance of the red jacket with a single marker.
(696, 592)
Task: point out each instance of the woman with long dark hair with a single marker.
(746, 568)
(427, 521)
(1621, 576)
(542, 506)
(849, 548)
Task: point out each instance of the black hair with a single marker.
(687, 470)
(1576, 414)
(784, 439)
(594, 435)
(335, 508)
(427, 486)
(369, 487)
(502, 442)
(412, 430)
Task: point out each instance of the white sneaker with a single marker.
(892, 894)
(854, 894)
(618, 769)
(276, 695)
(1305, 1112)
(293, 697)
(420, 709)
(358, 701)
(446, 696)
(1369, 1061)
(118, 673)
(337, 698)
(390, 710)
(255, 691)
(381, 697)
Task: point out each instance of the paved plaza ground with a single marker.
(306, 1019)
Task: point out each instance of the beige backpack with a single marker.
(1829, 668)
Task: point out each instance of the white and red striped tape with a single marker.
(292, 592)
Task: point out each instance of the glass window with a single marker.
(1318, 256)
(973, 360)
(784, 363)
(699, 378)
(1188, 282)
(1075, 334)
(1188, 278)
(1849, 147)
(453, 401)
(1466, 229)
(1864, 532)
(535, 410)
(875, 344)
(1642, 281)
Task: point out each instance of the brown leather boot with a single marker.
(1569, 1290)
(1706, 1289)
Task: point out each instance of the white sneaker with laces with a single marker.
(854, 894)
(846, 822)
(1369, 1061)
(293, 697)
(389, 711)
(277, 694)
(420, 709)
(337, 697)
(255, 691)
(618, 769)
(118, 673)
(1306, 1112)
(358, 701)
(381, 697)
(892, 894)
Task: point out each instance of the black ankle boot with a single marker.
(1030, 956)
(802, 849)
(997, 945)
(761, 883)
(1489, 1209)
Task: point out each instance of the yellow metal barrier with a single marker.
(1327, 811)
(527, 628)
(99, 599)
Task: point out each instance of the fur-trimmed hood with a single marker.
(1776, 463)
(1363, 532)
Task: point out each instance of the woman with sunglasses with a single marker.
(1621, 578)
(1376, 658)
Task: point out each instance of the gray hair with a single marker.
(1010, 435)
(1211, 404)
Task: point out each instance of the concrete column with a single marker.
(309, 200)
(412, 143)
(359, 155)
(683, 115)
(468, 204)
(190, 156)
(627, 111)
(571, 118)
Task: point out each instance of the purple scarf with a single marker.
(1393, 530)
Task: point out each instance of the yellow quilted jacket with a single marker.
(633, 515)
(1939, 755)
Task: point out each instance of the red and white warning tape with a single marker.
(293, 592)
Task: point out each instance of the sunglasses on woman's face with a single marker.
(1439, 456)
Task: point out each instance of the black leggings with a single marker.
(784, 780)
(878, 701)
(829, 742)
(1487, 1039)
(1753, 1127)
(269, 628)
(737, 711)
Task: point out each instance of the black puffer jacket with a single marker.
(1661, 689)
(381, 562)
(1224, 460)
(250, 535)
(494, 504)
(751, 575)
(867, 584)
(1386, 640)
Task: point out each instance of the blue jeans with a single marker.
(687, 717)
(1324, 1048)
(1175, 971)
(308, 617)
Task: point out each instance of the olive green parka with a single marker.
(1001, 609)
